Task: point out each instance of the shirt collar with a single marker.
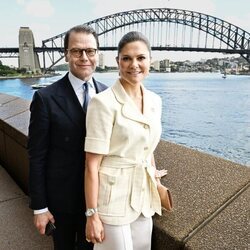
(77, 83)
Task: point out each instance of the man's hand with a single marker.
(41, 220)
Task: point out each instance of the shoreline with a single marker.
(110, 71)
(28, 76)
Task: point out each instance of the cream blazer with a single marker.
(127, 139)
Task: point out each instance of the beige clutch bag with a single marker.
(165, 196)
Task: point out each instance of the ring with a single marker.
(88, 240)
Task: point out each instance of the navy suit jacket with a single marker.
(56, 148)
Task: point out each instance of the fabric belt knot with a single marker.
(137, 187)
(86, 96)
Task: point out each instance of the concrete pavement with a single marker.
(17, 231)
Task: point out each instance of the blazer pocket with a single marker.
(113, 194)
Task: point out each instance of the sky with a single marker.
(48, 18)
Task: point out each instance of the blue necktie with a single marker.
(86, 96)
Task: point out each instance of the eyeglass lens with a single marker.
(79, 52)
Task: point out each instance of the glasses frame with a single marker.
(76, 52)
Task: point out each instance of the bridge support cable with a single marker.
(199, 29)
(183, 37)
(160, 25)
(153, 33)
(198, 40)
(222, 27)
(191, 38)
(207, 20)
(168, 34)
(175, 34)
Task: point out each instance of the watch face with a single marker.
(90, 211)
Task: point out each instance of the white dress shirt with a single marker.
(77, 86)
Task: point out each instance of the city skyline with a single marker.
(47, 18)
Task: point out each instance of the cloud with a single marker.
(243, 22)
(37, 8)
(40, 8)
(205, 6)
(114, 6)
(40, 32)
(21, 2)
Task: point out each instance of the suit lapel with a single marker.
(66, 98)
(98, 86)
(129, 109)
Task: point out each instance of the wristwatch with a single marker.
(91, 211)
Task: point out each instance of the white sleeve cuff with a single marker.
(40, 211)
(97, 146)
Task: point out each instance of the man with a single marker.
(56, 143)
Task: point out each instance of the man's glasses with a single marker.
(79, 52)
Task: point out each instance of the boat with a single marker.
(224, 76)
(41, 85)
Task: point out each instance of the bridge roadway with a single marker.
(211, 195)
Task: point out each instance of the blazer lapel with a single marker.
(98, 86)
(68, 101)
(129, 110)
(149, 108)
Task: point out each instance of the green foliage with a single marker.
(61, 67)
(6, 70)
(22, 71)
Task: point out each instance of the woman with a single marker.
(123, 129)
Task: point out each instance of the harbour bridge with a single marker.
(166, 28)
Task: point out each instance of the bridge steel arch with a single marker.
(233, 37)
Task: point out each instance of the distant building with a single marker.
(101, 61)
(165, 65)
(162, 66)
(156, 65)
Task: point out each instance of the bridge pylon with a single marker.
(28, 59)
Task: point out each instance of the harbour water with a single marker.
(202, 111)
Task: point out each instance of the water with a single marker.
(200, 110)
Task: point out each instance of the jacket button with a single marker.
(111, 180)
(145, 126)
(145, 148)
(66, 139)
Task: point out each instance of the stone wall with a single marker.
(14, 121)
(211, 195)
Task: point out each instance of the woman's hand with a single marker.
(160, 173)
(94, 229)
